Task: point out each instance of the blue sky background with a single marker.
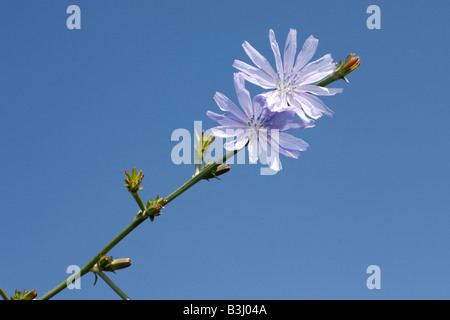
(78, 107)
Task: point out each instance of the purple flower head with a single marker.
(258, 126)
(293, 82)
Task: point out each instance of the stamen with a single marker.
(287, 82)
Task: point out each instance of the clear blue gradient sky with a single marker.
(78, 107)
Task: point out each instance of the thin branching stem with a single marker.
(3, 294)
(202, 174)
(113, 286)
(136, 222)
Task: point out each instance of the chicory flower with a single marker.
(258, 126)
(293, 82)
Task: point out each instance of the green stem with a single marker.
(197, 168)
(331, 78)
(201, 175)
(87, 267)
(3, 294)
(138, 220)
(113, 285)
(138, 200)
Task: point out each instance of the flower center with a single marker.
(259, 122)
(287, 82)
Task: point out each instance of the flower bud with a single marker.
(26, 295)
(202, 145)
(221, 169)
(122, 263)
(133, 181)
(154, 207)
(352, 64)
(29, 295)
(349, 64)
(109, 264)
(104, 262)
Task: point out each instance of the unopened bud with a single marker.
(221, 169)
(154, 207)
(104, 262)
(26, 295)
(202, 145)
(352, 64)
(349, 64)
(109, 264)
(133, 181)
(30, 295)
(120, 263)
